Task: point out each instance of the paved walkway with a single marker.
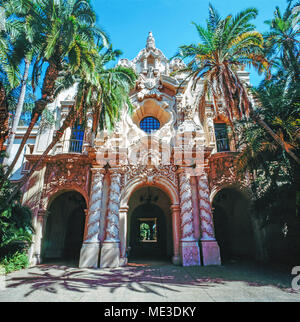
(149, 283)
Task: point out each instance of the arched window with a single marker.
(149, 124)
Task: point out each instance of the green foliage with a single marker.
(14, 262)
(276, 177)
(15, 228)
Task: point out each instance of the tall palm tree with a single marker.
(103, 90)
(227, 46)
(24, 48)
(282, 41)
(67, 34)
(8, 81)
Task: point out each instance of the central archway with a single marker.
(149, 226)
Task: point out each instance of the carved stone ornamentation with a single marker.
(95, 207)
(64, 172)
(190, 251)
(112, 227)
(207, 227)
(148, 174)
(149, 85)
(187, 228)
(222, 172)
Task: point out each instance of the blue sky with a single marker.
(128, 21)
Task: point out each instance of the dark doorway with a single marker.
(148, 233)
(65, 228)
(233, 226)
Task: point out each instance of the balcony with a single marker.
(223, 145)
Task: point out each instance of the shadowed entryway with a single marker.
(233, 227)
(64, 228)
(149, 226)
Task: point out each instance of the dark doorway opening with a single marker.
(233, 226)
(148, 233)
(64, 229)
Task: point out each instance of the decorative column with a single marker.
(39, 233)
(176, 234)
(123, 235)
(210, 247)
(89, 255)
(189, 247)
(110, 251)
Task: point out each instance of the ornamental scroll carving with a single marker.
(66, 173)
(222, 171)
(149, 174)
(95, 207)
(207, 227)
(187, 221)
(112, 227)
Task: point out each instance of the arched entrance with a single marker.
(65, 228)
(233, 227)
(149, 226)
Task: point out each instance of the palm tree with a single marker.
(67, 35)
(227, 46)
(24, 48)
(8, 81)
(282, 41)
(104, 91)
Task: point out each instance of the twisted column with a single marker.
(113, 226)
(187, 227)
(94, 213)
(89, 255)
(190, 252)
(206, 216)
(110, 251)
(210, 247)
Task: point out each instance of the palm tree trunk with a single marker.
(72, 116)
(40, 105)
(4, 129)
(276, 138)
(18, 111)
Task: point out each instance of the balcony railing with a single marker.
(222, 145)
(75, 146)
(69, 146)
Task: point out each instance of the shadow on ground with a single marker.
(144, 278)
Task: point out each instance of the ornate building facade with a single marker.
(145, 190)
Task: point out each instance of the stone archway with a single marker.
(171, 212)
(149, 225)
(233, 226)
(64, 228)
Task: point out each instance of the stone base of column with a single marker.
(123, 261)
(89, 255)
(35, 260)
(210, 253)
(190, 253)
(176, 260)
(110, 255)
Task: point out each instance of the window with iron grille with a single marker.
(76, 141)
(149, 124)
(222, 137)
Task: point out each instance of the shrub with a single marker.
(14, 262)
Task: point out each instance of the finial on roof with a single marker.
(150, 41)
